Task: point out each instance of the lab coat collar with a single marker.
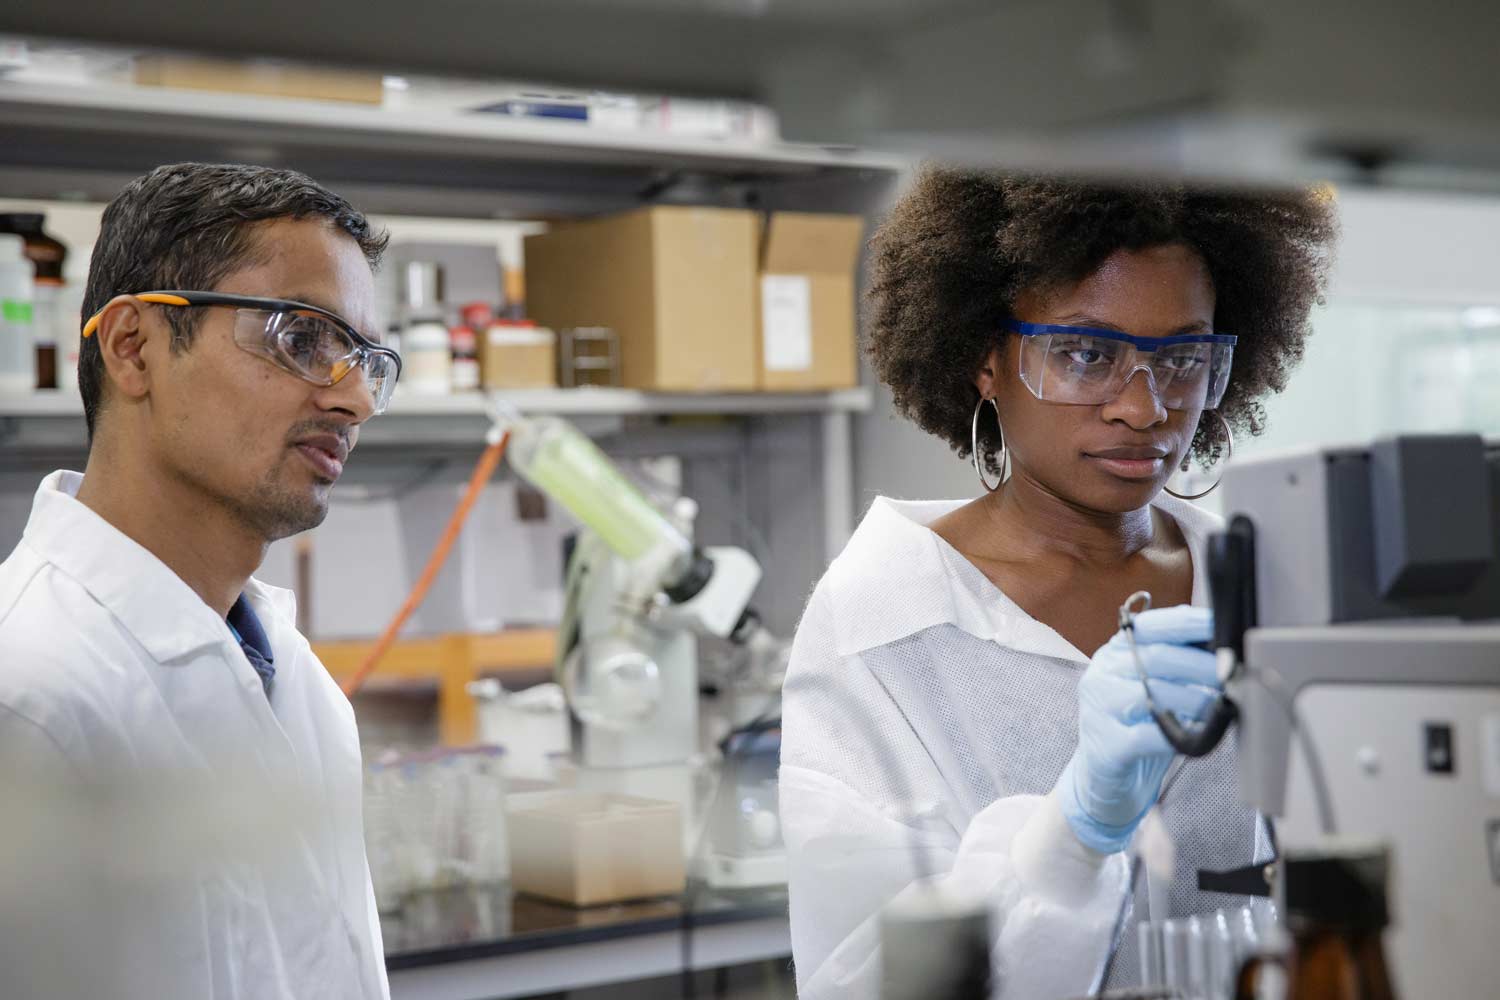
(159, 610)
(897, 577)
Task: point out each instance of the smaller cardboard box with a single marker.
(585, 849)
(807, 309)
(517, 355)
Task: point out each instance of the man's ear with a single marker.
(123, 333)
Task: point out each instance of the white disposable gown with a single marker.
(169, 830)
(924, 708)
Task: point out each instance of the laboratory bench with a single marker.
(473, 943)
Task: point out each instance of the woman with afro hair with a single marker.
(959, 709)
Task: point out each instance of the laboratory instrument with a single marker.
(1357, 628)
(1374, 647)
(638, 595)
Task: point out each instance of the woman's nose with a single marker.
(1138, 402)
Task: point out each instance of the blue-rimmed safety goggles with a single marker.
(1088, 365)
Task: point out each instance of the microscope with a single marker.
(638, 596)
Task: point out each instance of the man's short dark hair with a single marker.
(188, 226)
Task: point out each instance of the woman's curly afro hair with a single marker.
(961, 245)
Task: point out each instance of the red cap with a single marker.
(477, 314)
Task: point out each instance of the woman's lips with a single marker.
(1130, 468)
(1133, 462)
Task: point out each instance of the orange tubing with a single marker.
(483, 470)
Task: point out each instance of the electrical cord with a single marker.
(1278, 691)
(483, 470)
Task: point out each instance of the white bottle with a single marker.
(426, 359)
(17, 366)
(426, 352)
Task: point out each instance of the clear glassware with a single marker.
(1149, 938)
(1222, 966)
(488, 851)
(1176, 964)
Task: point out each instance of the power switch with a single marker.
(1439, 747)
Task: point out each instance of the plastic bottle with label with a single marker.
(426, 351)
(48, 256)
(17, 369)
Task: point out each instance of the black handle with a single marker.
(1231, 580)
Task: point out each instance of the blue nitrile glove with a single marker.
(1116, 772)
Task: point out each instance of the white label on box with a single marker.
(1489, 752)
(786, 308)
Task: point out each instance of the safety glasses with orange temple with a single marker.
(314, 344)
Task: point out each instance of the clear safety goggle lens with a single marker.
(316, 349)
(1093, 368)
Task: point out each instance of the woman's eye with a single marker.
(1179, 363)
(1086, 355)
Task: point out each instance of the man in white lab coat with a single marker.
(181, 778)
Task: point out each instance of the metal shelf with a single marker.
(53, 421)
(437, 155)
(587, 401)
(454, 121)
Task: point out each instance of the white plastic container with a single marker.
(426, 359)
(17, 365)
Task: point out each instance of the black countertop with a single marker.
(459, 925)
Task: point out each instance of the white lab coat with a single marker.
(923, 707)
(172, 832)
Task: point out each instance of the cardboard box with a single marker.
(585, 849)
(677, 284)
(267, 77)
(806, 337)
(518, 356)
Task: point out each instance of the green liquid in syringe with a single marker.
(573, 471)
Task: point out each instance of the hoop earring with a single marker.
(1004, 453)
(1228, 454)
